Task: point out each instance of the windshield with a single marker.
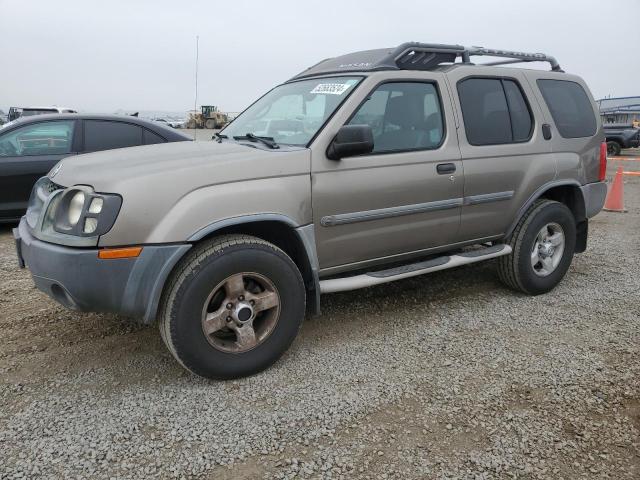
(292, 113)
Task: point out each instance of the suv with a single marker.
(363, 169)
(619, 137)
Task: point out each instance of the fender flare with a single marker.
(242, 219)
(304, 233)
(537, 194)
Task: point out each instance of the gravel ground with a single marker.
(443, 376)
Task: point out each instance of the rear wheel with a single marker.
(233, 307)
(210, 124)
(613, 149)
(543, 244)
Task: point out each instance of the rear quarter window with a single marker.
(570, 107)
(151, 138)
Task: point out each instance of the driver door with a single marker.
(402, 199)
(28, 153)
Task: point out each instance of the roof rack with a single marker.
(420, 56)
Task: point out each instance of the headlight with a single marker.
(75, 208)
(39, 200)
(81, 212)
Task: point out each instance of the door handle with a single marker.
(445, 168)
(546, 131)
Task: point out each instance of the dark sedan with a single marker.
(31, 146)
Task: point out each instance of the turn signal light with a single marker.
(603, 161)
(128, 252)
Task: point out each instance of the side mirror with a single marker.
(351, 140)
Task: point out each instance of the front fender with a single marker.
(288, 197)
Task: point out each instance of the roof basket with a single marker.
(420, 56)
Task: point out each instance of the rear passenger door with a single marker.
(109, 134)
(504, 154)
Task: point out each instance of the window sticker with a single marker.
(331, 88)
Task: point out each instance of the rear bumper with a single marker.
(594, 195)
(78, 279)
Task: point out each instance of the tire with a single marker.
(516, 270)
(210, 124)
(191, 291)
(613, 149)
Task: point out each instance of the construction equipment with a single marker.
(208, 117)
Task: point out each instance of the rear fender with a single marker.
(568, 192)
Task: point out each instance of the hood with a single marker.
(185, 166)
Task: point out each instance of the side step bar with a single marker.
(413, 270)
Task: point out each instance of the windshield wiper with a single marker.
(268, 141)
(219, 137)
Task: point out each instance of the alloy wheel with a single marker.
(241, 312)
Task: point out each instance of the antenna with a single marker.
(195, 101)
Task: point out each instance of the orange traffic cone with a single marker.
(615, 197)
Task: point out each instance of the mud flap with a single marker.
(582, 233)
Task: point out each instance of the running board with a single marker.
(413, 270)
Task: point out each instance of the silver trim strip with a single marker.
(366, 215)
(367, 280)
(488, 197)
(379, 214)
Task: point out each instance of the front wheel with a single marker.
(543, 244)
(233, 307)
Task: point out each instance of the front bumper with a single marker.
(78, 279)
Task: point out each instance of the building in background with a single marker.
(624, 110)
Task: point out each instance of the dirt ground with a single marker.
(443, 376)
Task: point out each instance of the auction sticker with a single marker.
(331, 88)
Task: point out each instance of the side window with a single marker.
(105, 135)
(570, 108)
(521, 123)
(44, 138)
(494, 111)
(403, 116)
(149, 138)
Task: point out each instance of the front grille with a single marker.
(51, 187)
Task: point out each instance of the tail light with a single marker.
(603, 161)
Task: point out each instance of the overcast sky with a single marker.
(140, 55)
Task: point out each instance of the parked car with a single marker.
(31, 146)
(378, 166)
(621, 136)
(17, 112)
(170, 123)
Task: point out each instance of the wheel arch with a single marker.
(296, 241)
(569, 193)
